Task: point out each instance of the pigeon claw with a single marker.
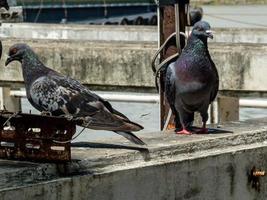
(184, 132)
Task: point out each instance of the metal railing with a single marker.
(149, 98)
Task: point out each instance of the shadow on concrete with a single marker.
(144, 151)
(210, 130)
(107, 146)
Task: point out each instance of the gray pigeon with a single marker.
(192, 81)
(49, 91)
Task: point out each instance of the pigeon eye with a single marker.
(14, 51)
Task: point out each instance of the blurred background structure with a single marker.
(67, 34)
(108, 45)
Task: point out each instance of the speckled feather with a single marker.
(47, 90)
(192, 81)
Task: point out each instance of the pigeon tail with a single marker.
(132, 126)
(130, 136)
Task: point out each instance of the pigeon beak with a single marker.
(210, 33)
(8, 60)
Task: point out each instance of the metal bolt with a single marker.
(259, 173)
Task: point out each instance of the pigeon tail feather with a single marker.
(130, 136)
(134, 126)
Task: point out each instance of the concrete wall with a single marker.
(211, 177)
(241, 66)
(78, 32)
(196, 167)
(118, 33)
(228, 2)
(240, 35)
(118, 64)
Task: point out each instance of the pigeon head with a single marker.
(18, 52)
(202, 30)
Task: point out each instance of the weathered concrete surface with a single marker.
(78, 32)
(209, 167)
(240, 35)
(228, 2)
(118, 33)
(100, 63)
(121, 64)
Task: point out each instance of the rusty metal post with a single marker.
(167, 25)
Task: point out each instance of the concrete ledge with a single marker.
(128, 64)
(78, 32)
(118, 33)
(240, 35)
(99, 63)
(212, 166)
(228, 2)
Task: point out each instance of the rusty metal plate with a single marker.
(35, 137)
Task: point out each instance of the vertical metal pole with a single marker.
(177, 27)
(172, 18)
(167, 27)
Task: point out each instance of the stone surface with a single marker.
(228, 108)
(118, 33)
(79, 32)
(229, 2)
(127, 64)
(212, 166)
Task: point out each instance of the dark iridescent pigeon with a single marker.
(49, 91)
(192, 80)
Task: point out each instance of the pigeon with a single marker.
(50, 91)
(192, 81)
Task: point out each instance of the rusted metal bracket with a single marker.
(254, 178)
(35, 137)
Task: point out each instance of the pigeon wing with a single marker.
(170, 91)
(60, 96)
(215, 87)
